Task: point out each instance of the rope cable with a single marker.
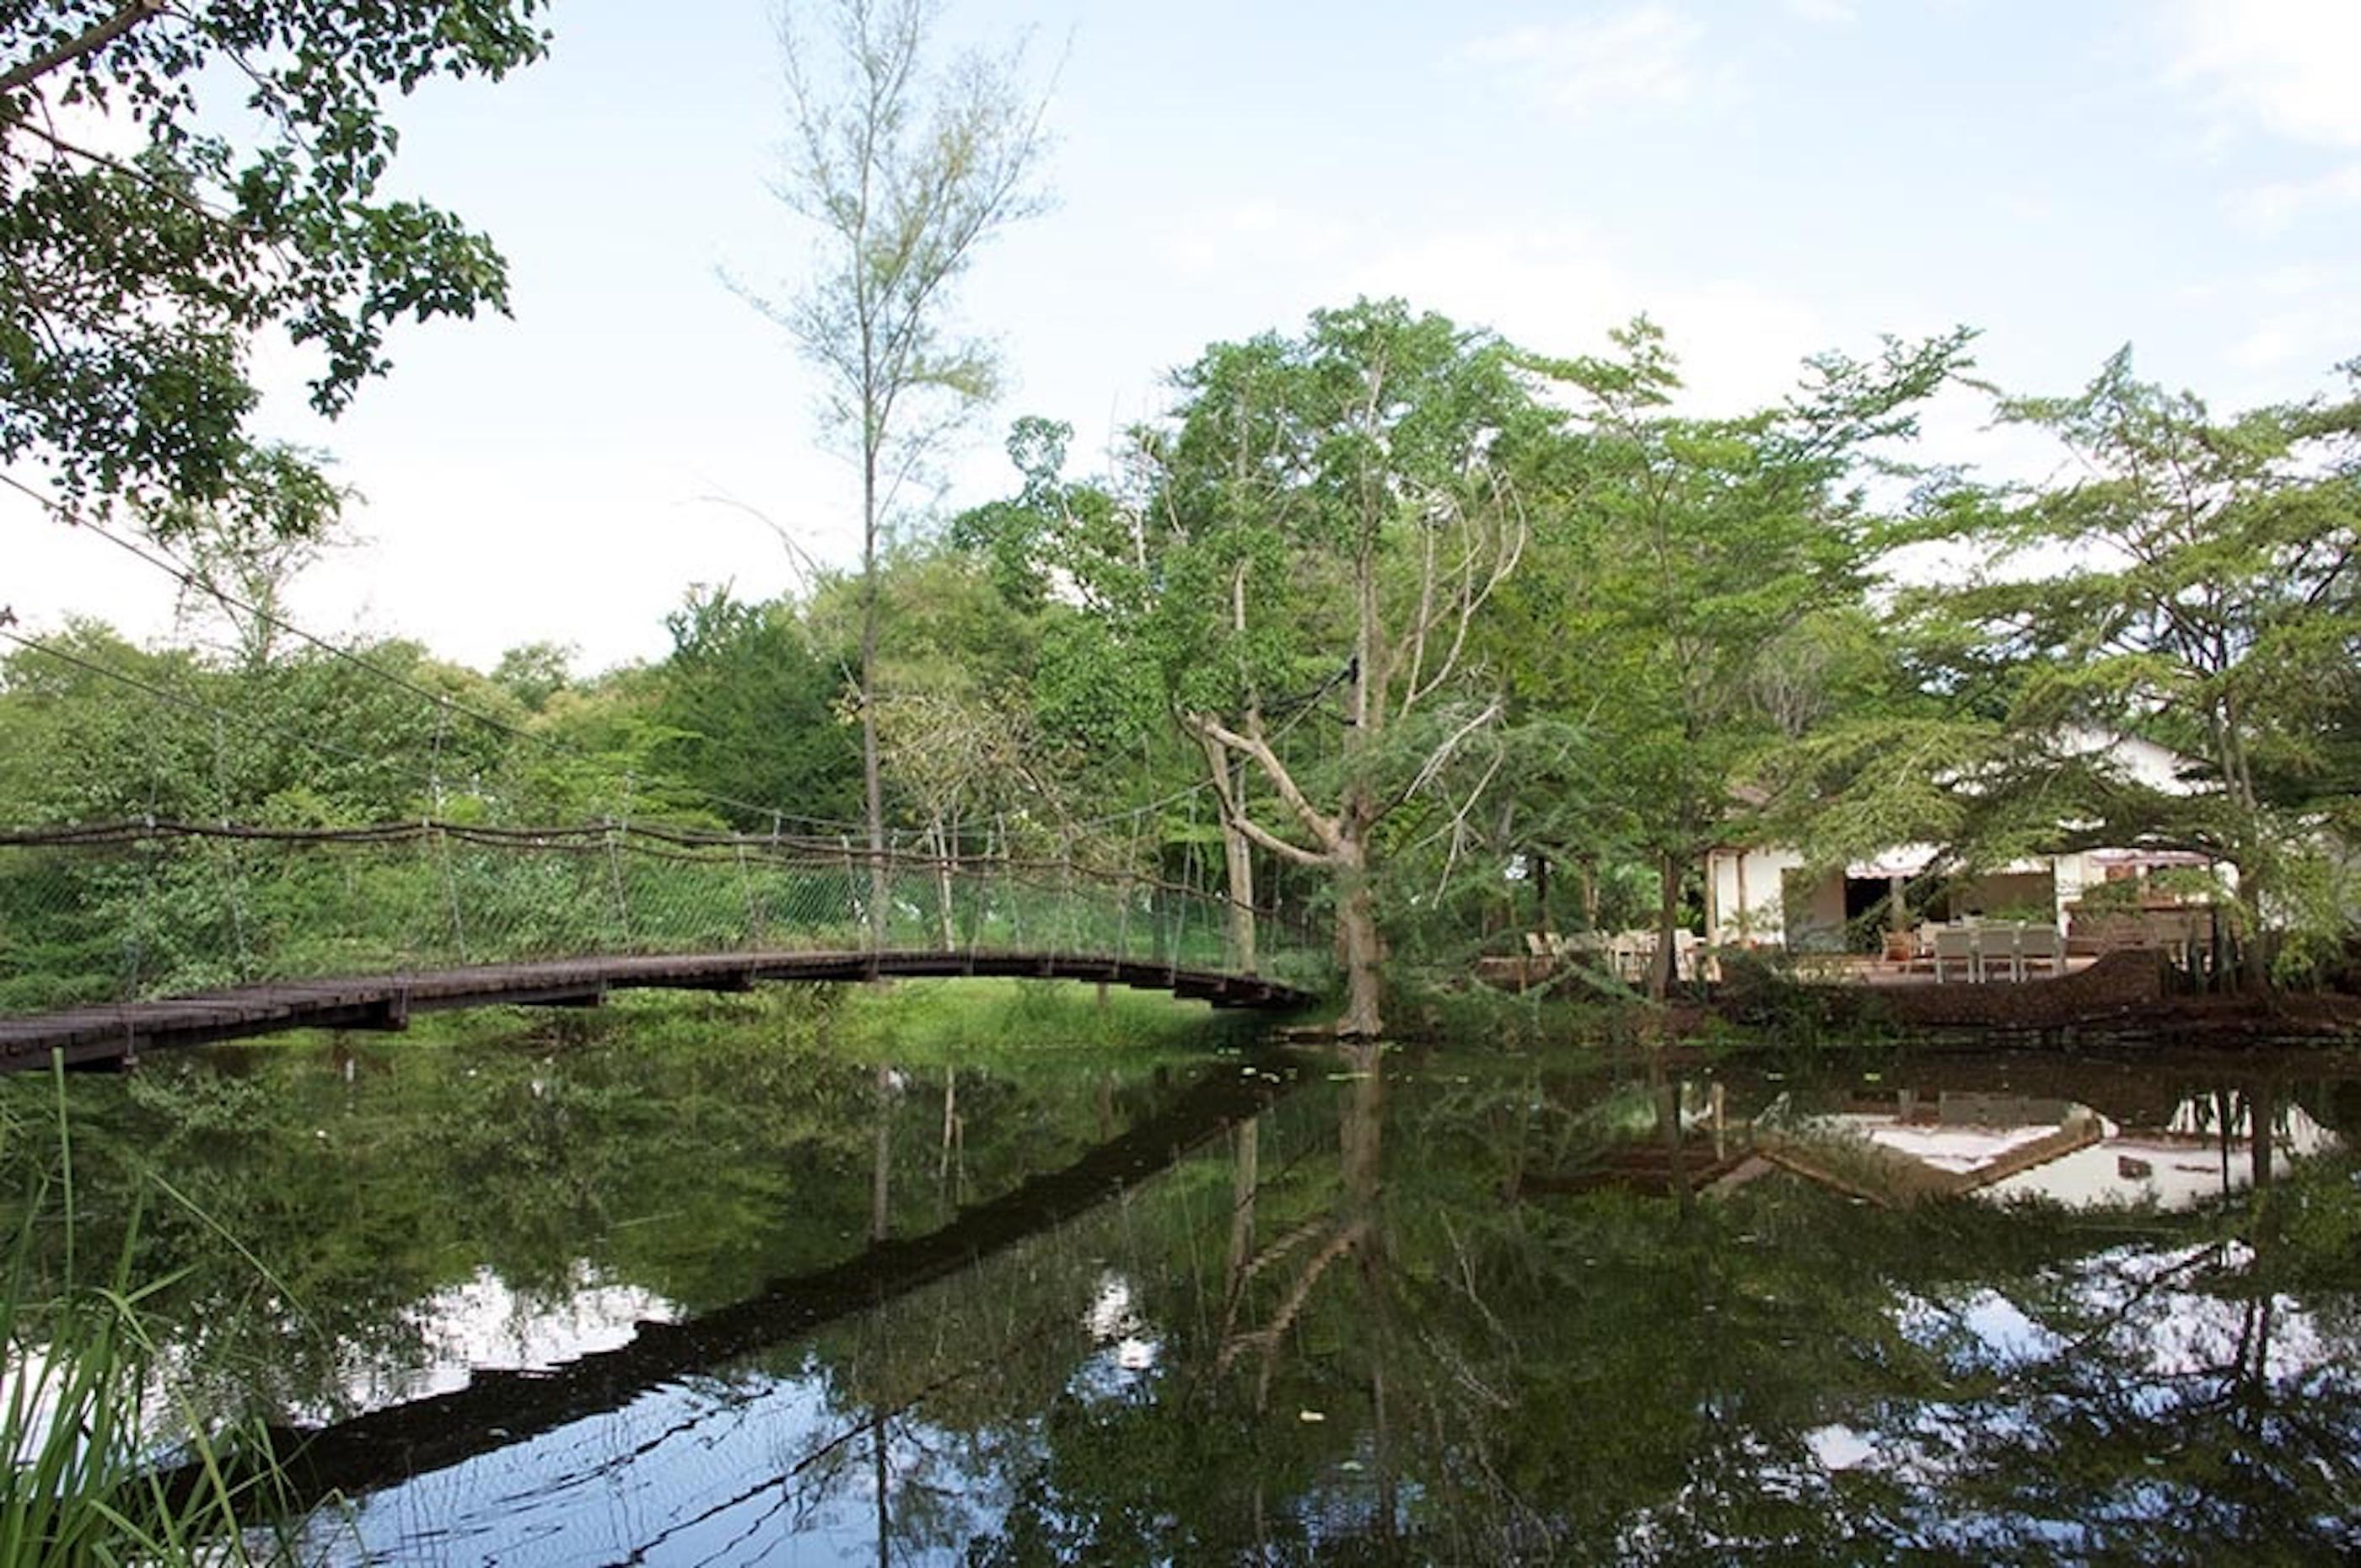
(189, 703)
(192, 577)
(1296, 707)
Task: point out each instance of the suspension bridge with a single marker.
(123, 937)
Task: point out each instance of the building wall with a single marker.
(1780, 906)
(2144, 761)
(1745, 900)
(1815, 906)
(2074, 873)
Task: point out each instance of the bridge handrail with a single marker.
(587, 838)
(123, 910)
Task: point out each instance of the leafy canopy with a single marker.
(136, 279)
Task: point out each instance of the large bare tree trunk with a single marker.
(1238, 852)
(943, 886)
(1238, 859)
(1362, 950)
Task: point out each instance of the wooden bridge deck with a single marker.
(117, 1032)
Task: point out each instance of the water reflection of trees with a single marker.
(1371, 1323)
(1786, 1373)
(325, 1199)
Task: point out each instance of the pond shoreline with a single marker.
(2126, 1000)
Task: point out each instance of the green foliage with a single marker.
(2193, 586)
(599, 756)
(1693, 631)
(1334, 511)
(91, 1396)
(535, 673)
(747, 707)
(1096, 693)
(1295, 464)
(318, 736)
(123, 361)
(1414, 603)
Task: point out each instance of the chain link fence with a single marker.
(127, 911)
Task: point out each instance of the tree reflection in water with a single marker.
(1786, 1373)
(1419, 1309)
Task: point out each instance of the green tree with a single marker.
(101, 731)
(904, 174)
(242, 559)
(1068, 557)
(86, 736)
(606, 752)
(136, 282)
(535, 673)
(1702, 606)
(749, 703)
(1333, 512)
(2195, 582)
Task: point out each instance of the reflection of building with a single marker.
(2200, 1155)
(1910, 1147)
(1905, 1148)
(2104, 898)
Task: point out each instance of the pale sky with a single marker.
(1766, 177)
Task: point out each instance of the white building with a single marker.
(1768, 893)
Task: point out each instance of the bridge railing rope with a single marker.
(126, 910)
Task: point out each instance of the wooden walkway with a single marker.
(117, 1033)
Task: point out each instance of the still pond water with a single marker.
(749, 1284)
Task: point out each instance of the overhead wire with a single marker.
(192, 577)
(1296, 708)
(180, 700)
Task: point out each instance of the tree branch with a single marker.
(91, 42)
(1442, 753)
(1277, 845)
(1321, 828)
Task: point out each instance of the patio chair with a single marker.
(1957, 945)
(1998, 948)
(2042, 947)
(1634, 952)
